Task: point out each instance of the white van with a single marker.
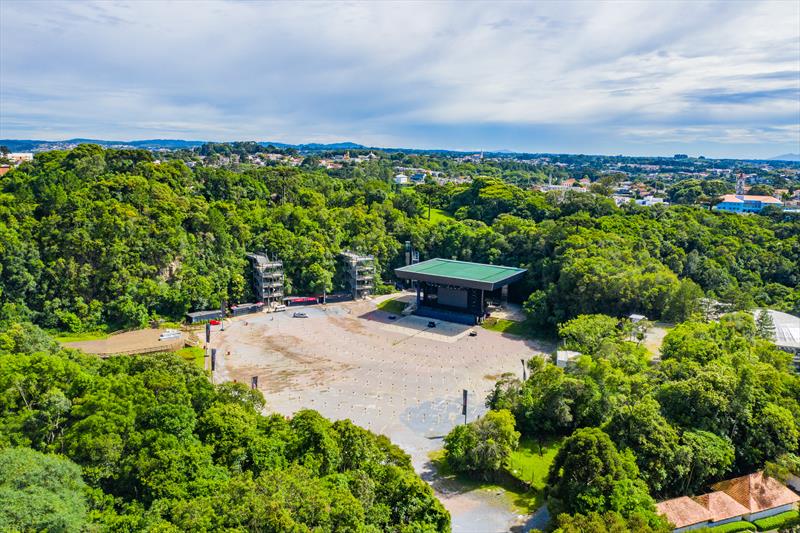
(279, 307)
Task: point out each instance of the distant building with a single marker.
(746, 203)
(20, 157)
(750, 497)
(401, 179)
(650, 201)
(4, 170)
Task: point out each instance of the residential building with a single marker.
(746, 203)
(749, 497)
(650, 201)
(401, 179)
(762, 495)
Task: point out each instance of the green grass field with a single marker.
(520, 329)
(438, 216)
(502, 325)
(394, 306)
(520, 500)
(530, 464)
(77, 337)
(193, 353)
(525, 464)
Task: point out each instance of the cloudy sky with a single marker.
(719, 79)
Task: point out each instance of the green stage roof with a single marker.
(461, 273)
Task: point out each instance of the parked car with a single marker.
(214, 322)
(431, 324)
(473, 333)
(298, 314)
(392, 317)
(279, 307)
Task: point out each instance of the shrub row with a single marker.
(774, 522)
(732, 527)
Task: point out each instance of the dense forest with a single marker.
(722, 402)
(93, 238)
(147, 443)
(104, 239)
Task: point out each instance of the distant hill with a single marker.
(786, 157)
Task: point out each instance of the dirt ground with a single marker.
(393, 376)
(131, 342)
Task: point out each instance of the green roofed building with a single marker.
(457, 290)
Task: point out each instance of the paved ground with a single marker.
(395, 377)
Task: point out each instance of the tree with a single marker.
(654, 442)
(588, 474)
(40, 492)
(765, 325)
(710, 458)
(586, 333)
(683, 301)
(482, 447)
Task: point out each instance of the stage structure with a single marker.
(456, 291)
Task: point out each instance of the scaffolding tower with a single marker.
(360, 274)
(268, 279)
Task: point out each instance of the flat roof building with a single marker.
(456, 290)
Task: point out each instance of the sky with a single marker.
(720, 79)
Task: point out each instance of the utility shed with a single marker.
(456, 290)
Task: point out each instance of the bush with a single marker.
(732, 527)
(482, 447)
(776, 521)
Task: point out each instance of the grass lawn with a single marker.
(438, 216)
(528, 465)
(522, 501)
(76, 337)
(193, 353)
(394, 306)
(521, 329)
(525, 464)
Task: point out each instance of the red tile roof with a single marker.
(684, 511)
(757, 492)
(721, 505)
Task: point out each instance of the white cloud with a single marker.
(368, 71)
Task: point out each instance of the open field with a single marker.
(395, 377)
